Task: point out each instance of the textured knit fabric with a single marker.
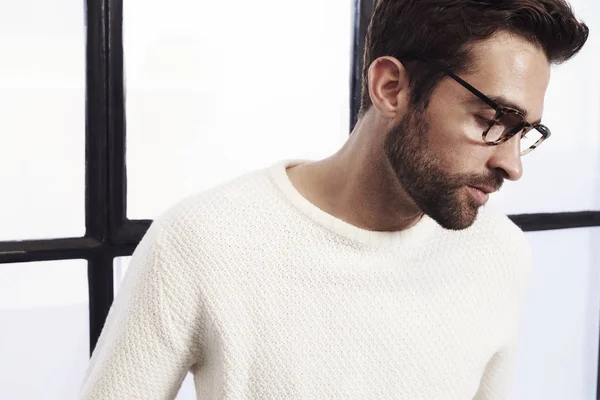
(262, 295)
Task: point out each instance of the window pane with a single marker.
(120, 265)
(42, 98)
(214, 93)
(187, 391)
(558, 343)
(44, 340)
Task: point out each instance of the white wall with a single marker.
(205, 103)
(558, 344)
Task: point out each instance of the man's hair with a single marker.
(445, 30)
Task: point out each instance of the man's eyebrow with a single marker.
(503, 101)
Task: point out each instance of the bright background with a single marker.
(215, 89)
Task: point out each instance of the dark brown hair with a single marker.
(443, 30)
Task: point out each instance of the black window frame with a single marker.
(109, 233)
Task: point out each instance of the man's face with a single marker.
(438, 154)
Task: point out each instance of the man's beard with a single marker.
(421, 174)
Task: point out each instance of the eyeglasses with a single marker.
(507, 122)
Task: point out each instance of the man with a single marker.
(375, 273)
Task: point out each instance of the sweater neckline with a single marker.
(377, 239)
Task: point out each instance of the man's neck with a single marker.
(358, 188)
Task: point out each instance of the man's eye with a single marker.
(484, 121)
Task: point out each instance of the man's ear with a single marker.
(388, 86)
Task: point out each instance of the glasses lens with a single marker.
(507, 125)
(531, 139)
(511, 123)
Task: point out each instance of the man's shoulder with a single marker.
(500, 238)
(217, 208)
(492, 223)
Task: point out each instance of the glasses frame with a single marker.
(500, 112)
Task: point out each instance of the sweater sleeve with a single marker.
(498, 376)
(151, 336)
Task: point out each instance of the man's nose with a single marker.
(507, 157)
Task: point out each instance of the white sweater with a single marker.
(262, 295)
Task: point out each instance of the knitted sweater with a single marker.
(262, 295)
